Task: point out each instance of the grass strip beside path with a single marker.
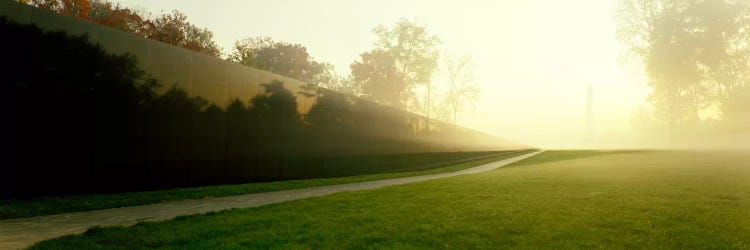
(75, 203)
(572, 200)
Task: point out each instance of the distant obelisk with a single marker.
(590, 116)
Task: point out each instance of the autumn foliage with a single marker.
(76, 8)
(172, 28)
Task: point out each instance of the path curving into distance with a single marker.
(24, 232)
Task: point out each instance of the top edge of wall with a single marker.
(51, 21)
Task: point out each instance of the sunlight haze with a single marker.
(534, 59)
(352, 124)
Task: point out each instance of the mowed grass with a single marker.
(19, 208)
(587, 199)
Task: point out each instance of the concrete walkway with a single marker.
(23, 232)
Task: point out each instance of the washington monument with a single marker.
(590, 115)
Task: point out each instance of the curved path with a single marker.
(23, 232)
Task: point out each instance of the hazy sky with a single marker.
(534, 59)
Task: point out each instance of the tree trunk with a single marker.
(428, 107)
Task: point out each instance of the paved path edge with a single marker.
(24, 232)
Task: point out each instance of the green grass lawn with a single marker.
(61, 204)
(560, 199)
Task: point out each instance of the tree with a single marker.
(380, 79)
(440, 107)
(118, 17)
(175, 29)
(695, 53)
(408, 54)
(75, 8)
(461, 84)
(331, 80)
(287, 59)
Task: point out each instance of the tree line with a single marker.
(172, 28)
(696, 55)
(405, 57)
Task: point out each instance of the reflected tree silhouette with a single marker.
(82, 120)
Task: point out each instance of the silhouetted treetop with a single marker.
(172, 28)
(286, 59)
(413, 48)
(175, 29)
(404, 56)
(380, 79)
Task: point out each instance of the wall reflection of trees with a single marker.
(81, 120)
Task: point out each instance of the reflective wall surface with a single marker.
(93, 109)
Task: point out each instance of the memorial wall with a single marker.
(94, 109)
